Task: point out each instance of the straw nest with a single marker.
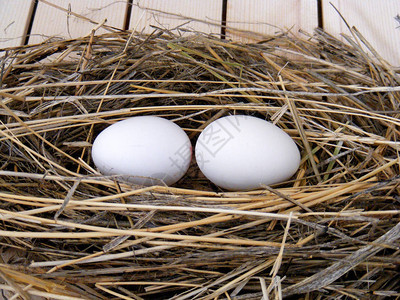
(331, 231)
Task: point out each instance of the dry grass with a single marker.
(70, 233)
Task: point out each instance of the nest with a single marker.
(68, 232)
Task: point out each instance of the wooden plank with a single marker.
(14, 21)
(374, 19)
(195, 15)
(269, 17)
(56, 22)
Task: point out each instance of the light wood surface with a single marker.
(14, 19)
(268, 17)
(54, 20)
(374, 19)
(198, 15)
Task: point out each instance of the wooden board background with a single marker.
(51, 19)
(58, 21)
(198, 15)
(270, 17)
(376, 20)
(14, 19)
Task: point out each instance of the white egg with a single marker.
(144, 150)
(243, 153)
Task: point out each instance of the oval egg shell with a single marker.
(143, 150)
(243, 153)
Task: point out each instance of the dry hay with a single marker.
(331, 231)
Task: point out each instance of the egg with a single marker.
(144, 150)
(242, 152)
